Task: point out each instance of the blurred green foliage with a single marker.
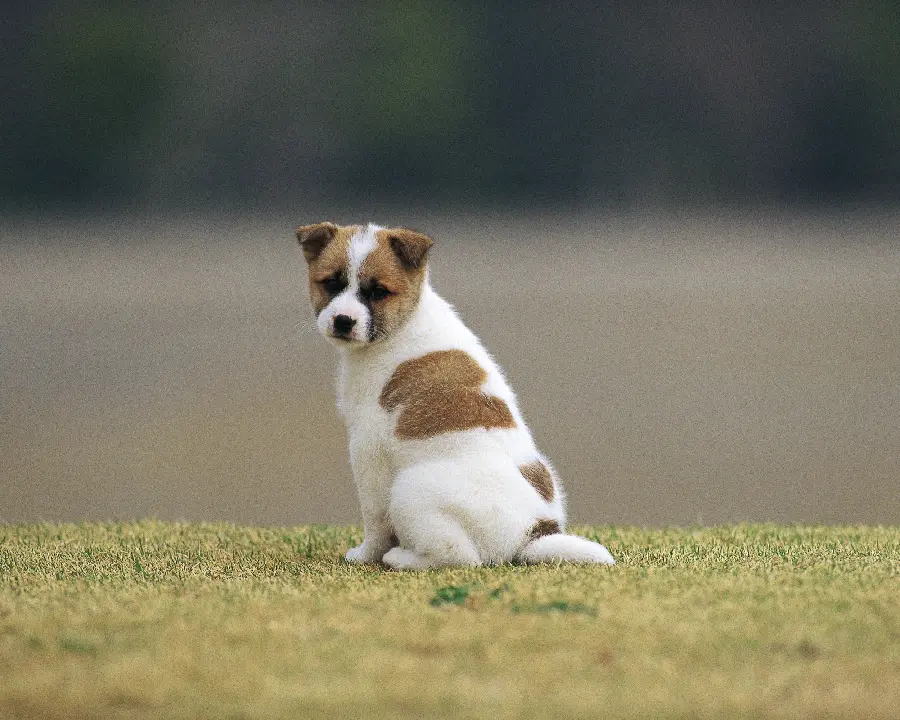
(96, 81)
(413, 87)
(596, 102)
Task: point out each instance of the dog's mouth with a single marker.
(345, 338)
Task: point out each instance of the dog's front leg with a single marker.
(374, 476)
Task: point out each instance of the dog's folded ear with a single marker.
(314, 238)
(410, 246)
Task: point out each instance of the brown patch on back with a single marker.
(539, 477)
(542, 528)
(440, 392)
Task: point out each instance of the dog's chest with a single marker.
(358, 390)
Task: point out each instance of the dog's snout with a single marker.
(343, 324)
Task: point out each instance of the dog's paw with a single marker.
(362, 554)
(400, 558)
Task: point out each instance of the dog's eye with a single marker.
(375, 293)
(334, 284)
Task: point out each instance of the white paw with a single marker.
(361, 554)
(402, 559)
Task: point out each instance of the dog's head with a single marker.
(364, 281)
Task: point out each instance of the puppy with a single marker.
(445, 466)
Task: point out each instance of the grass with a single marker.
(152, 619)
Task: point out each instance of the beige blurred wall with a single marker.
(677, 369)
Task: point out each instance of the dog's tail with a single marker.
(565, 548)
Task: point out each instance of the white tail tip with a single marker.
(565, 548)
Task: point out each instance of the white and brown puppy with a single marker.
(445, 466)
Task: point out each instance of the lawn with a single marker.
(155, 619)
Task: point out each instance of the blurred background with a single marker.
(674, 224)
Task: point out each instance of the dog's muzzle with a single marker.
(343, 326)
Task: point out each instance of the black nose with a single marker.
(343, 324)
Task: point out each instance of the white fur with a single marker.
(454, 499)
(347, 303)
(360, 246)
(566, 548)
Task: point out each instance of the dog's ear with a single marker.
(410, 246)
(314, 238)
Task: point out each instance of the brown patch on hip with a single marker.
(539, 477)
(542, 528)
(440, 392)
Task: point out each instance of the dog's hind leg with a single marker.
(427, 525)
(402, 559)
(440, 541)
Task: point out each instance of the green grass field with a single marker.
(167, 620)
